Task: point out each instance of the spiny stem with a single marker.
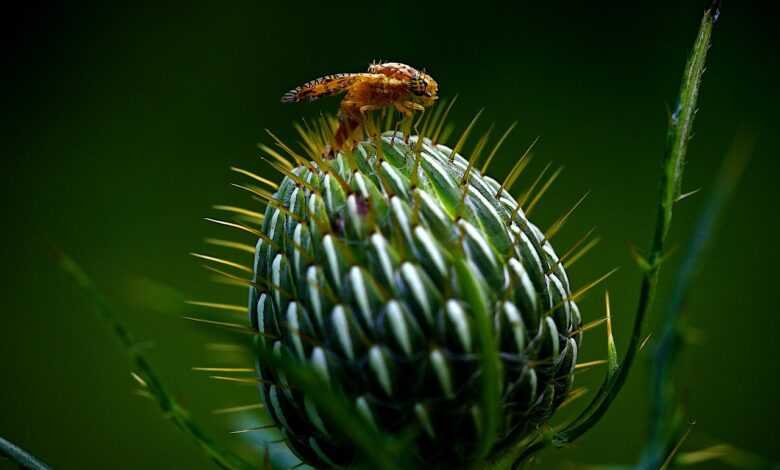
(664, 406)
(677, 143)
(678, 136)
(168, 404)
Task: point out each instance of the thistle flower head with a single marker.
(415, 287)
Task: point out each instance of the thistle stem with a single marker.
(168, 404)
(678, 136)
(664, 406)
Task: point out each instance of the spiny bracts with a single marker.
(369, 267)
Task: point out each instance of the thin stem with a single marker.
(20, 456)
(678, 136)
(168, 404)
(664, 406)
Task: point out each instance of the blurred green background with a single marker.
(121, 122)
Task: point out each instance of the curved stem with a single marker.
(20, 456)
(664, 407)
(151, 381)
(678, 136)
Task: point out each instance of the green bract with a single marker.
(368, 268)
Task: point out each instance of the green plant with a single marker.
(427, 202)
(417, 288)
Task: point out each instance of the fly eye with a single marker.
(419, 86)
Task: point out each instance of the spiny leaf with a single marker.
(612, 357)
(678, 137)
(663, 399)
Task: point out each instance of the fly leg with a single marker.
(369, 107)
(401, 107)
(414, 106)
(406, 122)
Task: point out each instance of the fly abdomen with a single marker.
(317, 88)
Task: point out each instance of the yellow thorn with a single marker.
(476, 153)
(440, 124)
(588, 326)
(229, 276)
(558, 224)
(611, 348)
(573, 395)
(686, 195)
(223, 369)
(288, 171)
(240, 210)
(225, 262)
(218, 323)
(523, 197)
(218, 306)
(299, 159)
(244, 228)
(576, 245)
(464, 136)
(243, 283)
(230, 244)
(543, 190)
(496, 147)
(587, 365)
(259, 192)
(430, 117)
(235, 379)
(268, 198)
(517, 169)
(577, 295)
(255, 177)
(275, 155)
(237, 409)
(138, 379)
(312, 143)
(582, 252)
(645, 341)
(258, 428)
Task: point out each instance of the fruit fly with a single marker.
(384, 84)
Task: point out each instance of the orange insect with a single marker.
(387, 84)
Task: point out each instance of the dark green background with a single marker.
(121, 123)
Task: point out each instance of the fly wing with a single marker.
(395, 70)
(323, 86)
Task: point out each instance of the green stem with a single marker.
(664, 406)
(20, 456)
(168, 404)
(678, 136)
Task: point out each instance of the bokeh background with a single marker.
(120, 124)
